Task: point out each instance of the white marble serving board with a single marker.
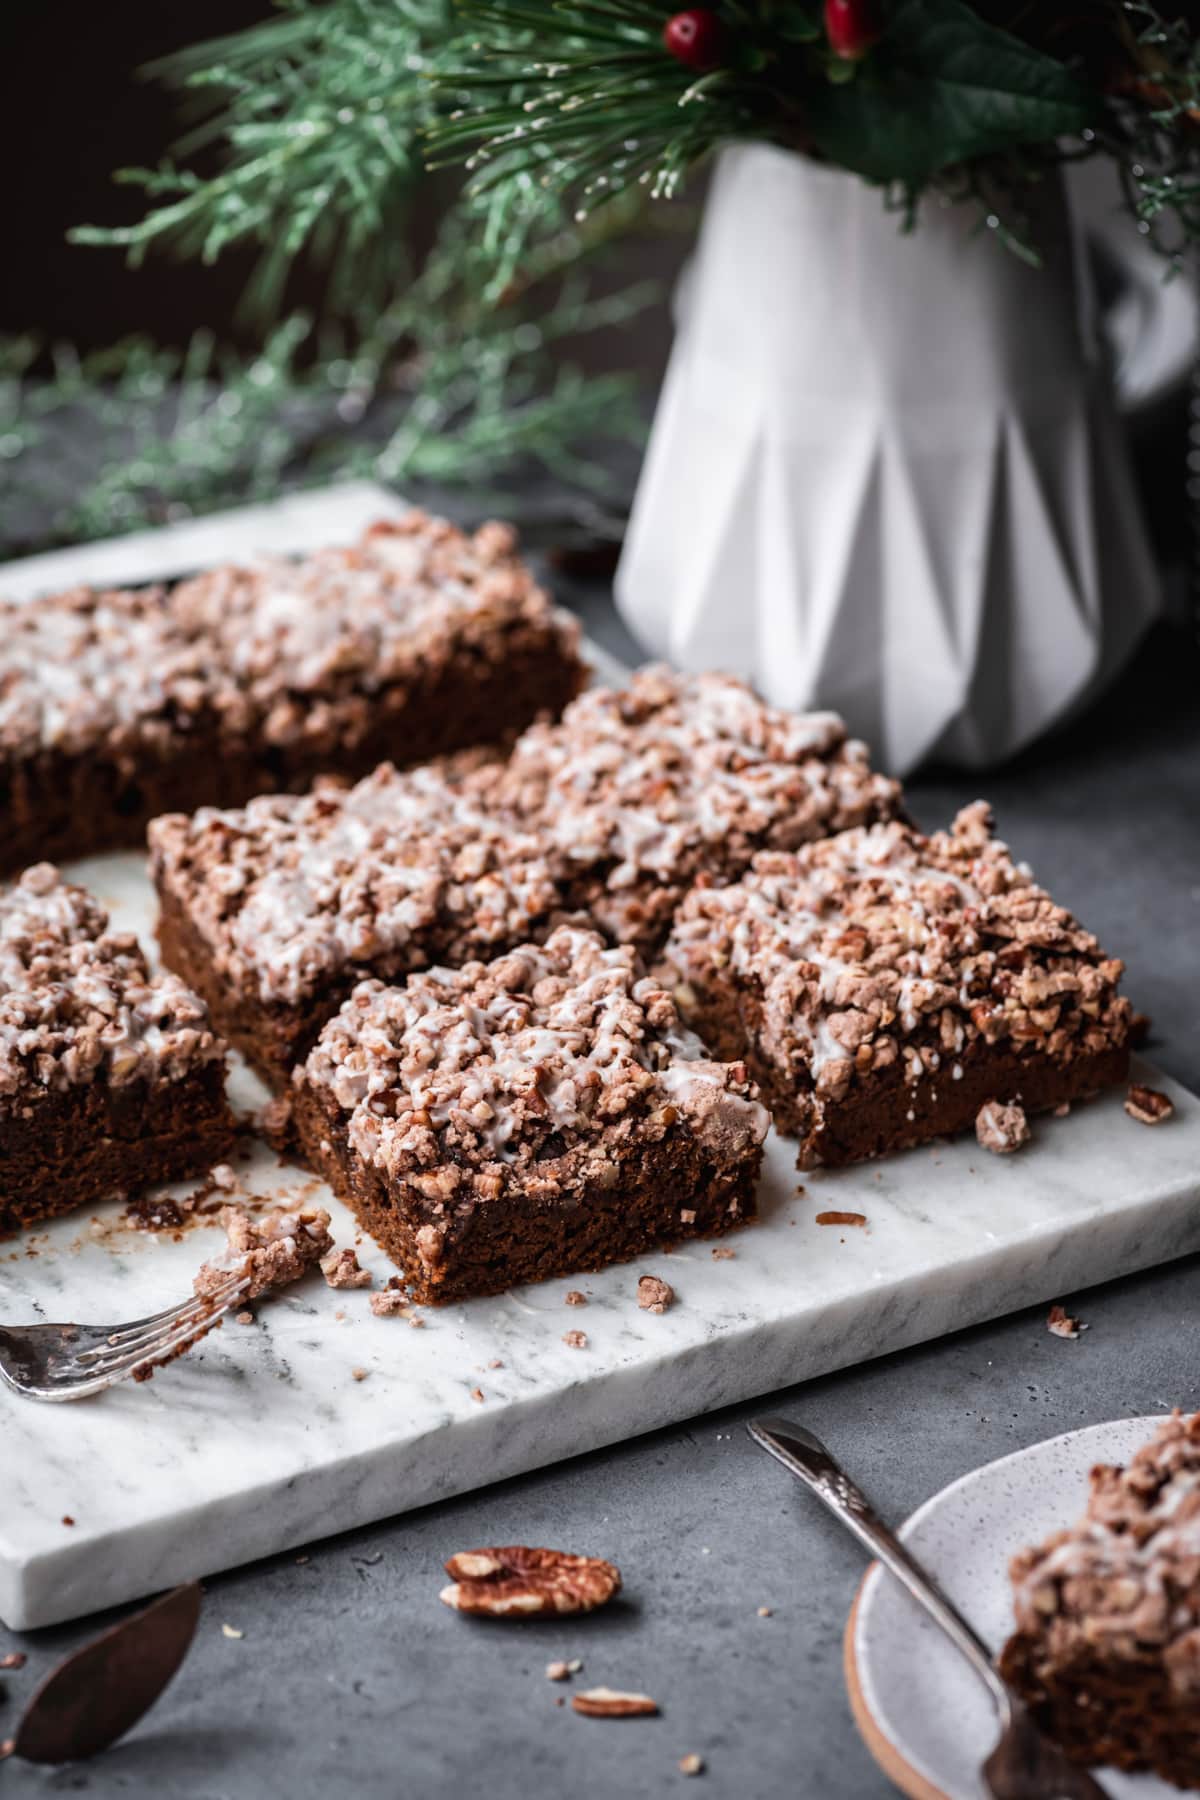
(262, 1439)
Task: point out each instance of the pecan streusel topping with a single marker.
(866, 941)
(1126, 1578)
(285, 649)
(290, 890)
(78, 1002)
(672, 771)
(499, 1063)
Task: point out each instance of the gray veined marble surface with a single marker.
(263, 1438)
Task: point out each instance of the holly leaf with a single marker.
(942, 87)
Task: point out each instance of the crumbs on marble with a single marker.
(231, 1631)
(562, 1671)
(842, 1218)
(1061, 1324)
(245, 1317)
(14, 1659)
(341, 1269)
(359, 1374)
(766, 1612)
(392, 1301)
(495, 1363)
(67, 1519)
(477, 1394)
(691, 1764)
(575, 1340)
(573, 1297)
(722, 1253)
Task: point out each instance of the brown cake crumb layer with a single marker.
(533, 1116)
(110, 1079)
(276, 910)
(883, 987)
(639, 790)
(1107, 1645)
(119, 705)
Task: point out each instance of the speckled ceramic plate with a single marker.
(925, 1717)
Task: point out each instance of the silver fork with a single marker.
(1024, 1765)
(68, 1362)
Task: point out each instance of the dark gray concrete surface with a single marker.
(352, 1679)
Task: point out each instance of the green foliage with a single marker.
(943, 88)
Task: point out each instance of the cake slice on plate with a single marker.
(884, 988)
(1107, 1645)
(532, 1116)
(110, 1078)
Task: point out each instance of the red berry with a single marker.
(696, 38)
(852, 26)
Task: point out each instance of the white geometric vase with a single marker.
(886, 474)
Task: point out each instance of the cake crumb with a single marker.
(562, 1671)
(359, 1374)
(223, 1177)
(1062, 1324)
(687, 1215)
(341, 1269)
(842, 1218)
(391, 1302)
(573, 1297)
(653, 1294)
(67, 1519)
(723, 1254)
(1147, 1105)
(1001, 1129)
(765, 1612)
(15, 1659)
(575, 1340)
(231, 1631)
(270, 1251)
(691, 1764)
(495, 1363)
(7, 1747)
(243, 1318)
(477, 1394)
(302, 1559)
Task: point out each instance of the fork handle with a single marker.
(808, 1459)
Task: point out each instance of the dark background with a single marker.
(73, 109)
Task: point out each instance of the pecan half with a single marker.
(610, 1703)
(526, 1582)
(1147, 1105)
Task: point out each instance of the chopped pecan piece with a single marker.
(610, 1703)
(653, 1294)
(523, 1581)
(1147, 1105)
(341, 1269)
(1001, 1129)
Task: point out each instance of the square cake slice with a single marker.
(118, 705)
(275, 911)
(640, 789)
(532, 1116)
(1107, 1645)
(883, 987)
(110, 1078)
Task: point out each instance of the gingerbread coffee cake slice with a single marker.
(117, 705)
(532, 1116)
(884, 987)
(638, 790)
(1107, 1642)
(110, 1078)
(274, 911)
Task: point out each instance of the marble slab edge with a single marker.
(760, 1358)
